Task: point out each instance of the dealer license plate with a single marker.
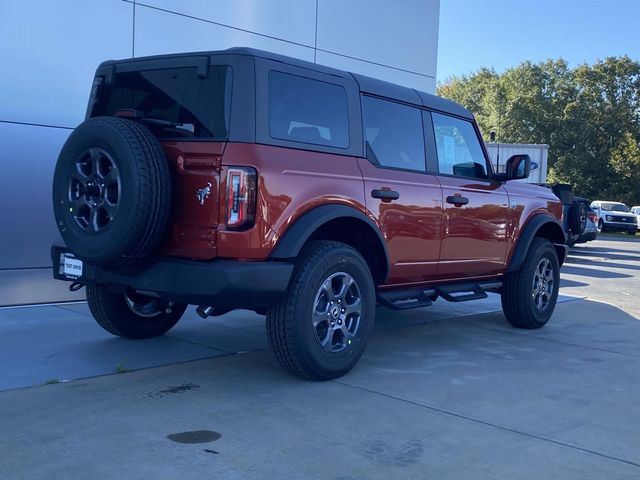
(70, 266)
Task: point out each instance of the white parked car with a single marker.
(636, 211)
(615, 217)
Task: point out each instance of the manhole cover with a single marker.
(197, 436)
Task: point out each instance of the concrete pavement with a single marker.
(445, 392)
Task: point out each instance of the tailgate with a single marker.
(196, 184)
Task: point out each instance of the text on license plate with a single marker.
(71, 267)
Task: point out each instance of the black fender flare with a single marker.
(294, 238)
(528, 233)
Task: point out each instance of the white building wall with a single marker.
(49, 50)
(537, 152)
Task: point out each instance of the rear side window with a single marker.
(459, 150)
(172, 103)
(393, 134)
(308, 111)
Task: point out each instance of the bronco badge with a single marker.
(204, 193)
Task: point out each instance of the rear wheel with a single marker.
(320, 328)
(132, 315)
(632, 232)
(529, 295)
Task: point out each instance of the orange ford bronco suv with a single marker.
(244, 179)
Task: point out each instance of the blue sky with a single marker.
(504, 33)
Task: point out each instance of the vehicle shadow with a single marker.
(598, 263)
(581, 322)
(592, 272)
(571, 283)
(594, 249)
(612, 256)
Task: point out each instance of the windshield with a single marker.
(614, 207)
(172, 103)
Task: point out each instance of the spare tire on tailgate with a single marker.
(578, 217)
(111, 191)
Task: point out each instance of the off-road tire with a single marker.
(517, 299)
(289, 322)
(145, 191)
(114, 315)
(578, 217)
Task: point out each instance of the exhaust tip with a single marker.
(203, 311)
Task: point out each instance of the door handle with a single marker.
(457, 200)
(385, 195)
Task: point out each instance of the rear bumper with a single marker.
(224, 284)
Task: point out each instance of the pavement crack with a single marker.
(489, 424)
(198, 344)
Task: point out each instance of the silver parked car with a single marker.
(614, 217)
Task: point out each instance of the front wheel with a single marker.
(132, 315)
(529, 295)
(320, 328)
(600, 226)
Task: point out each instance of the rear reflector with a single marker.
(241, 197)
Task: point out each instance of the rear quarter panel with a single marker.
(290, 183)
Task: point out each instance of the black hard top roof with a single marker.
(366, 84)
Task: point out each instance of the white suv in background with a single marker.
(615, 217)
(636, 211)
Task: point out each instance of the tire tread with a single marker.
(279, 316)
(517, 288)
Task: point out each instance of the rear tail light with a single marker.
(241, 197)
(591, 216)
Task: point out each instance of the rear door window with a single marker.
(172, 103)
(394, 136)
(458, 147)
(307, 111)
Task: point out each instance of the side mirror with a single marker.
(518, 167)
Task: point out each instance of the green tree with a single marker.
(589, 116)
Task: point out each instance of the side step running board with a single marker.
(405, 299)
(452, 294)
(423, 297)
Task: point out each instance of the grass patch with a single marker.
(120, 368)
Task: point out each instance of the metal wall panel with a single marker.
(412, 80)
(291, 20)
(537, 152)
(49, 51)
(21, 287)
(160, 32)
(397, 33)
(26, 216)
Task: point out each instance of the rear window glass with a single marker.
(307, 111)
(172, 103)
(393, 134)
